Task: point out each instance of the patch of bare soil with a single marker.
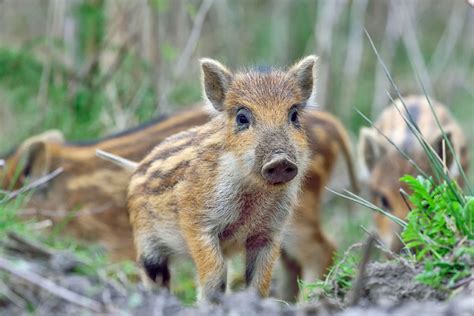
(36, 279)
(394, 282)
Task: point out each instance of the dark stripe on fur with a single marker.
(81, 143)
(85, 143)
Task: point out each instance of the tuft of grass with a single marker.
(338, 281)
(440, 231)
(9, 220)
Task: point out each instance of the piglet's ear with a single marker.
(370, 148)
(35, 154)
(216, 80)
(304, 72)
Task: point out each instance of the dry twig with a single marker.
(51, 287)
(33, 185)
(30, 247)
(463, 282)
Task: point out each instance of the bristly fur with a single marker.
(209, 187)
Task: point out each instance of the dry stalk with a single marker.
(357, 289)
(328, 16)
(412, 45)
(188, 50)
(31, 186)
(355, 49)
(391, 37)
(27, 246)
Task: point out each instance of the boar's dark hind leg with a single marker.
(156, 268)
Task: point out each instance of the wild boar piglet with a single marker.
(229, 185)
(384, 165)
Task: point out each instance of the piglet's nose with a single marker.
(279, 169)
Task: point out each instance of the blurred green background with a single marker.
(92, 67)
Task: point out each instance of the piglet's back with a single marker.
(176, 162)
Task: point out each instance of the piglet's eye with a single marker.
(381, 200)
(384, 202)
(293, 116)
(243, 119)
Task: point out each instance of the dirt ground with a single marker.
(36, 280)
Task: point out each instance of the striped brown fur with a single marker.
(90, 186)
(231, 184)
(385, 165)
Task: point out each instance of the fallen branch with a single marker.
(33, 185)
(51, 287)
(28, 246)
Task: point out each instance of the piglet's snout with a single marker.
(279, 169)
